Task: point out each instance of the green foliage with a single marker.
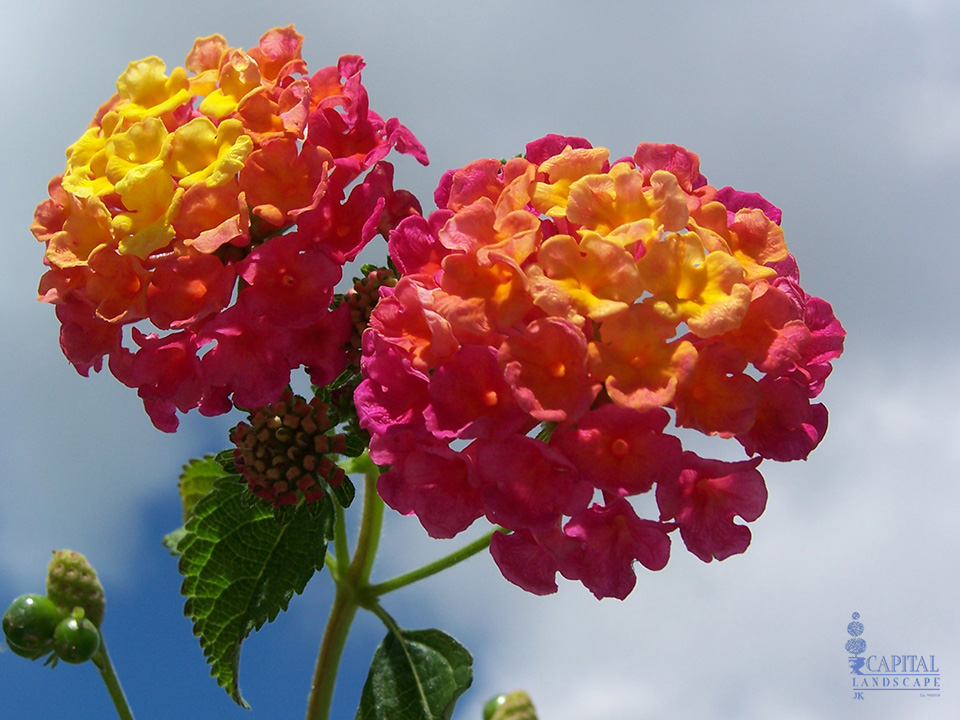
(197, 480)
(344, 493)
(546, 431)
(415, 675)
(224, 459)
(171, 541)
(241, 565)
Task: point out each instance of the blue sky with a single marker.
(844, 114)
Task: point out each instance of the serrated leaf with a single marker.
(417, 676)
(224, 459)
(172, 540)
(344, 493)
(241, 566)
(356, 443)
(197, 480)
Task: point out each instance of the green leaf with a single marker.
(357, 442)
(172, 539)
(241, 564)
(344, 493)
(546, 431)
(416, 676)
(224, 459)
(197, 480)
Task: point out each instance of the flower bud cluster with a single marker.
(212, 204)
(72, 582)
(283, 450)
(554, 315)
(361, 299)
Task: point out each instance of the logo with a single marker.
(904, 673)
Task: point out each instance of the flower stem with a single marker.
(110, 679)
(352, 577)
(387, 620)
(478, 545)
(347, 600)
(368, 540)
(334, 639)
(342, 556)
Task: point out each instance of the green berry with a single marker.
(72, 582)
(493, 704)
(29, 654)
(515, 706)
(76, 640)
(29, 624)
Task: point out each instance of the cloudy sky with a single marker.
(845, 114)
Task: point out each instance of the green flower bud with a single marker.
(514, 706)
(72, 583)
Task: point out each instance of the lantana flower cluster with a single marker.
(208, 210)
(554, 315)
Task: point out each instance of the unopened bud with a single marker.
(513, 706)
(72, 583)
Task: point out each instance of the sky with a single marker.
(844, 114)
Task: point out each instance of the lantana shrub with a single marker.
(534, 351)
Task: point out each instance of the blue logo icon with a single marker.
(856, 645)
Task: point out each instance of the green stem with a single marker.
(387, 619)
(110, 679)
(340, 540)
(368, 540)
(332, 567)
(478, 545)
(347, 599)
(331, 649)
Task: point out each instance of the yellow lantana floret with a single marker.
(592, 278)
(562, 171)
(149, 92)
(85, 174)
(202, 152)
(138, 145)
(705, 290)
(152, 198)
(239, 76)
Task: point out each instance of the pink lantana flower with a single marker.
(704, 500)
(557, 312)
